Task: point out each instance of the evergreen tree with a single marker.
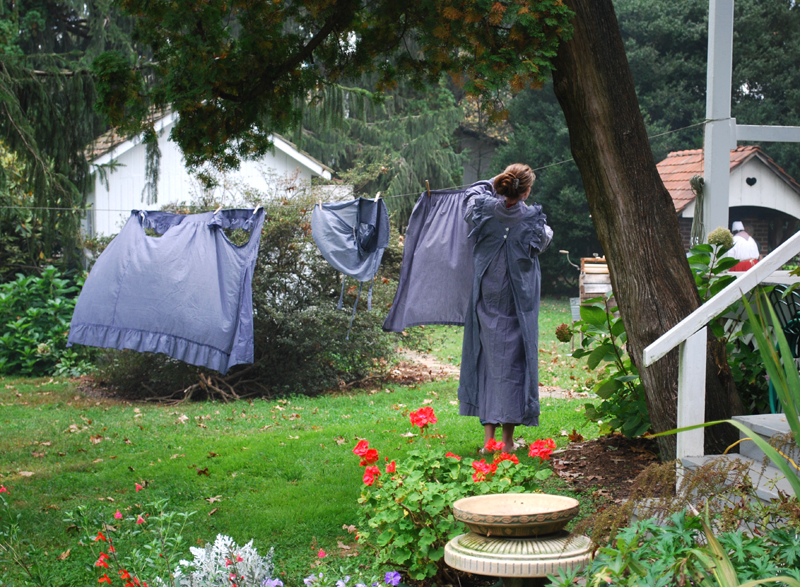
(391, 145)
(47, 118)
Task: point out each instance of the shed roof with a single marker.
(114, 144)
(680, 166)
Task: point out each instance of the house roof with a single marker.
(111, 145)
(680, 166)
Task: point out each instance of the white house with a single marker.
(762, 195)
(111, 202)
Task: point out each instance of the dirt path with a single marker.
(441, 370)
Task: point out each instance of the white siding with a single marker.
(111, 207)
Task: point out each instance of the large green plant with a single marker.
(35, 313)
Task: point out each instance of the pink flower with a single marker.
(140, 520)
(390, 467)
(228, 562)
(422, 417)
(493, 445)
(361, 448)
(321, 553)
(118, 515)
(452, 456)
(542, 449)
(504, 456)
(3, 489)
(138, 487)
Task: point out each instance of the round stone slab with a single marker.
(517, 557)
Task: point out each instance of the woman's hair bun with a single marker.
(514, 181)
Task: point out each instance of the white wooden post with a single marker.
(720, 133)
(692, 394)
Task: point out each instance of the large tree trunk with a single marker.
(634, 216)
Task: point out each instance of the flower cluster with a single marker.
(320, 580)
(224, 562)
(111, 555)
(369, 456)
(564, 333)
(483, 470)
(542, 449)
(422, 417)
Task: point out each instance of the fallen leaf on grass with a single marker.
(453, 403)
(64, 555)
(592, 477)
(97, 461)
(213, 499)
(62, 454)
(177, 456)
(427, 401)
(47, 443)
(73, 428)
(293, 437)
(183, 418)
(26, 473)
(212, 512)
(340, 440)
(96, 439)
(267, 427)
(342, 545)
(575, 436)
(408, 434)
(201, 425)
(350, 529)
(126, 441)
(38, 455)
(211, 455)
(203, 471)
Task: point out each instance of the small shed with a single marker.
(120, 189)
(762, 195)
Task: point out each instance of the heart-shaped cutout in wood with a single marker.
(751, 181)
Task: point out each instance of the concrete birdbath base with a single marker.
(518, 537)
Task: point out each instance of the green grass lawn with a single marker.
(284, 469)
(280, 472)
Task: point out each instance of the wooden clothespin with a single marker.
(428, 187)
(377, 196)
(218, 209)
(320, 204)
(256, 210)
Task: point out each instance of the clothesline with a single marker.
(455, 187)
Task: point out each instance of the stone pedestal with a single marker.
(518, 560)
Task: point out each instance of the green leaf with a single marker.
(599, 354)
(607, 388)
(593, 315)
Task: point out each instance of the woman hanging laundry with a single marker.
(500, 359)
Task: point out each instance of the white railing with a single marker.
(690, 334)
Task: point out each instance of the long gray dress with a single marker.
(499, 365)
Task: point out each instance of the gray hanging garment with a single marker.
(187, 294)
(352, 237)
(437, 271)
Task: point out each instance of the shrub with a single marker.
(300, 344)
(35, 312)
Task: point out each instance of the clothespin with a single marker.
(254, 211)
(320, 204)
(218, 209)
(428, 187)
(377, 196)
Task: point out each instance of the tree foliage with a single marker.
(390, 144)
(47, 115)
(237, 71)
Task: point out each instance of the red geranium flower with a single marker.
(542, 449)
(390, 467)
(361, 448)
(492, 445)
(422, 417)
(370, 457)
(483, 470)
(3, 489)
(452, 456)
(504, 456)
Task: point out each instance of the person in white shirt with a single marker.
(744, 245)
